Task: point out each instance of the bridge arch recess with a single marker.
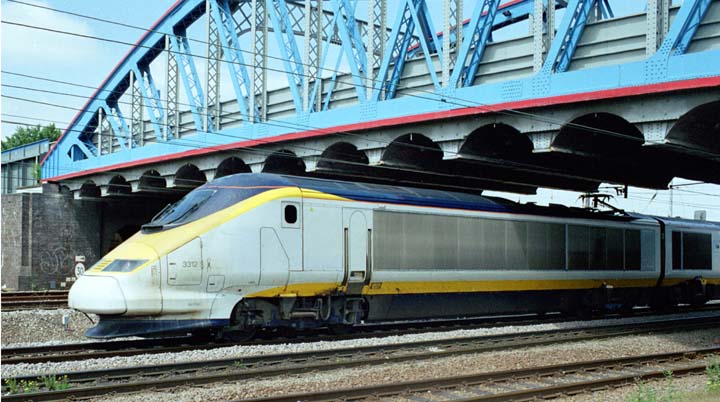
(189, 176)
(152, 180)
(698, 128)
(230, 166)
(600, 133)
(89, 189)
(118, 185)
(413, 150)
(497, 140)
(342, 155)
(284, 162)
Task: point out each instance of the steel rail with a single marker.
(102, 349)
(100, 382)
(525, 384)
(105, 349)
(10, 301)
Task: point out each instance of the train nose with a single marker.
(97, 295)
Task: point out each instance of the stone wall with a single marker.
(13, 263)
(42, 234)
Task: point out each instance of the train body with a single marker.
(255, 251)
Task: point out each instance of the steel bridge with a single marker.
(580, 99)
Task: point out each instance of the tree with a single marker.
(26, 135)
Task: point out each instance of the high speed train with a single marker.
(253, 251)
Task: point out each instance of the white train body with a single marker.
(258, 250)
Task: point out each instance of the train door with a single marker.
(184, 278)
(185, 264)
(357, 249)
(274, 260)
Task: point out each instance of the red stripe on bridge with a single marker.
(549, 101)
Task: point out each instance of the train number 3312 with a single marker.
(191, 264)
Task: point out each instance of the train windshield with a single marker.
(198, 204)
(183, 210)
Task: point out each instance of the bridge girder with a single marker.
(393, 90)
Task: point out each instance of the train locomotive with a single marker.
(263, 251)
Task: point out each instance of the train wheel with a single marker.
(242, 325)
(239, 335)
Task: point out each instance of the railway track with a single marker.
(10, 301)
(525, 384)
(134, 379)
(106, 349)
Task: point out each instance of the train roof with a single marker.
(382, 193)
(689, 223)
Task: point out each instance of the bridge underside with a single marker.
(574, 147)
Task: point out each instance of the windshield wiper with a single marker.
(162, 212)
(150, 227)
(186, 213)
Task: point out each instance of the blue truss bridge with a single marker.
(338, 89)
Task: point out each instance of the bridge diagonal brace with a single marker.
(119, 125)
(683, 29)
(568, 36)
(190, 78)
(352, 43)
(481, 26)
(318, 84)
(227, 25)
(394, 58)
(605, 9)
(153, 104)
(85, 148)
(282, 25)
(427, 28)
(422, 20)
(331, 84)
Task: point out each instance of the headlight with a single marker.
(123, 265)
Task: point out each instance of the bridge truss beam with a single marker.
(392, 76)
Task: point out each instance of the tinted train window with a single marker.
(615, 249)
(545, 245)
(691, 250)
(290, 214)
(597, 249)
(633, 250)
(676, 250)
(578, 239)
(696, 251)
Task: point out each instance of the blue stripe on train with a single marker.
(112, 328)
(368, 192)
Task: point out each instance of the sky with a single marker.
(87, 62)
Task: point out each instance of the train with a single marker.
(256, 251)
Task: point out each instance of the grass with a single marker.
(668, 391)
(49, 382)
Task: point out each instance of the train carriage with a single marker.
(253, 251)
